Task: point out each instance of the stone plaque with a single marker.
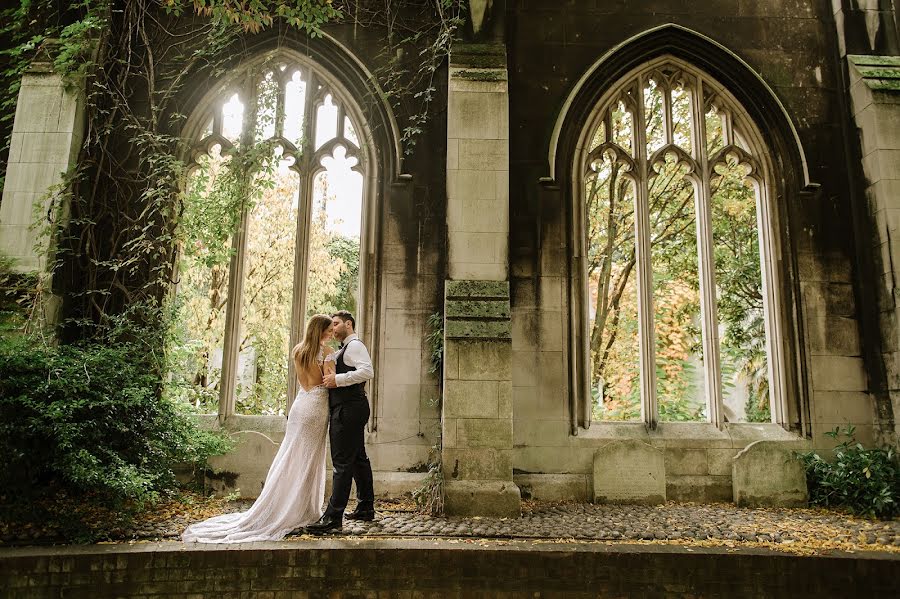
(629, 471)
(767, 473)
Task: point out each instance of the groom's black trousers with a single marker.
(346, 433)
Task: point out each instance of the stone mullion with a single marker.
(279, 104)
(646, 332)
(727, 127)
(668, 117)
(231, 341)
(582, 370)
(301, 246)
(706, 263)
(340, 119)
(217, 120)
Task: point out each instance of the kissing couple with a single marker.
(331, 400)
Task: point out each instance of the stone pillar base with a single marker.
(499, 498)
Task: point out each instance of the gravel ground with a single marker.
(800, 529)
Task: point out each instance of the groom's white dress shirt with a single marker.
(356, 356)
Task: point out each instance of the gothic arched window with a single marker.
(677, 254)
(274, 216)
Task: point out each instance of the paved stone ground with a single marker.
(800, 529)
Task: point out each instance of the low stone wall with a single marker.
(697, 458)
(430, 568)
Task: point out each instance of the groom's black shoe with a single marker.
(361, 514)
(326, 523)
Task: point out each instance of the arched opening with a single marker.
(278, 223)
(674, 203)
(679, 174)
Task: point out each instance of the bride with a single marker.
(294, 490)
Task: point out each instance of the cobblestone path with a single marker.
(672, 522)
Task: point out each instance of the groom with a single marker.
(349, 412)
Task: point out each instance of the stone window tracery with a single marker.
(675, 264)
(284, 141)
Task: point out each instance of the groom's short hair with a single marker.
(345, 316)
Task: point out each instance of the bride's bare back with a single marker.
(312, 376)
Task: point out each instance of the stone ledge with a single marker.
(480, 56)
(700, 435)
(881, 73)
(478, 329)
(319, 568)
(470, 289)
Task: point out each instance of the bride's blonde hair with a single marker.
(305, 353)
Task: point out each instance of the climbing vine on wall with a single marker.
(119, 234)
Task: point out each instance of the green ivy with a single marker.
(306, 15)
(434, 340)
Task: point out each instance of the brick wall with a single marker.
(376, 569)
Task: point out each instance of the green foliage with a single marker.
(434, 340)
(307, 15)
(864, 481)
(87, 420)
(757, 412)
(418, 39)
(17, 293)
(345, 251)
(77, 41)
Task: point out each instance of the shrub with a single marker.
(88, 421)
(864, 481)
(429, 497)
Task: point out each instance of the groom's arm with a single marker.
(357, 356)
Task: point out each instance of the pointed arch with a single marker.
(362, 129)
(754, 94)
(584, 132)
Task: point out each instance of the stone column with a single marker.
(875, 103)
(47, 134)
(478, 163)
(477, 403)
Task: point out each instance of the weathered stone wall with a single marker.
(409, 250)
(875, 103)
(868, 44)
(793, 45)
(793, 48)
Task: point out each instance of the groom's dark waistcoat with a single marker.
(340, 395)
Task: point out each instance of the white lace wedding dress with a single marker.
(294, 490)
